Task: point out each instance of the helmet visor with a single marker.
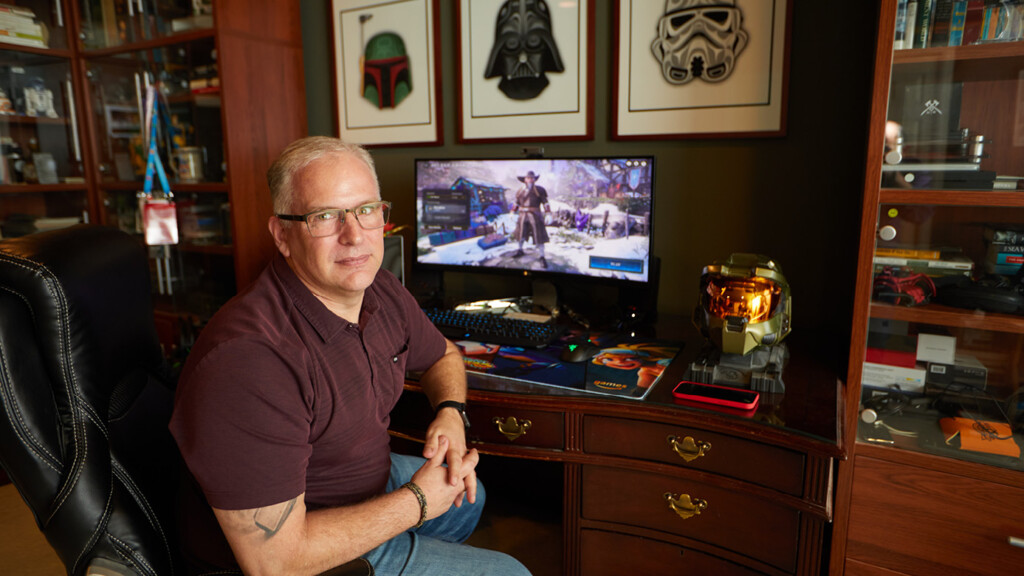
(752, 298)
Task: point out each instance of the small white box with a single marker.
(935, 348)
(886, 376)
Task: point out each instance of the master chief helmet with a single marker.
(744, 303)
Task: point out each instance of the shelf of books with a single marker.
(944, 23)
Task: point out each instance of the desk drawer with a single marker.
(732, 520)
(499, 425)
(745, 460)
(513, 426)
(613, 554)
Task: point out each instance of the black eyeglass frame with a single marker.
(342, 212)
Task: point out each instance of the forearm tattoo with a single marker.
(271, 518)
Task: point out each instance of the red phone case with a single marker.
(721, 395)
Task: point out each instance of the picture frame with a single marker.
(387, 72)
(740, 92)
(496, 103)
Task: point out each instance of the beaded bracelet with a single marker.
(422, 500)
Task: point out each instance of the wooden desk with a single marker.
(633, 469)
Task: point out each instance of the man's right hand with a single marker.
(432, 478)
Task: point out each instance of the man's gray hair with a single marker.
(300, 154)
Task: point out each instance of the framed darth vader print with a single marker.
(387, 81)
(700, 68)
(525, 70)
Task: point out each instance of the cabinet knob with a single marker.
(684, 505)
(512, 428)
(887, 232)
(688, 448)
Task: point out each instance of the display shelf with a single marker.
(939, 315)
(948, 413)
(1009, 199)
(101, 56)
(992, 52)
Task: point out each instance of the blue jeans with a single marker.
(436, 548)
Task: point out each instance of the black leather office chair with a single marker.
(85, 397)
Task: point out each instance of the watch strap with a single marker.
(460, 406)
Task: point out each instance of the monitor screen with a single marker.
(588, 217)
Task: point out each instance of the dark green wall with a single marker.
(795, 198)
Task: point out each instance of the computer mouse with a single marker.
(578, 352)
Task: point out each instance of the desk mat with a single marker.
(624, 366)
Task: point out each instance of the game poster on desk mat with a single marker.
(623, 366)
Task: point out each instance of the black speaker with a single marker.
(394, 256)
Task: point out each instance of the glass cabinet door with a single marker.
(112, 23)
(195, 276)
(41, 172)
(189, 135)
(944, 360)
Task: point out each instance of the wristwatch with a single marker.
(461, 407)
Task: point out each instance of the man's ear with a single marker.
(278, 231)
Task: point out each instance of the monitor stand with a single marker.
(545, 296)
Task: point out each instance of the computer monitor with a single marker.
(587, 218)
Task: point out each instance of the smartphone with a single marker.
(721, 395)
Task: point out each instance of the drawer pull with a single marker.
(1014, 541)
(684, 506)
(689, 449)
(511, 427)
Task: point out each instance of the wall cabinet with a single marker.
(935, 477)
(229, 80)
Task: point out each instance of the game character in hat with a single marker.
(529, 200)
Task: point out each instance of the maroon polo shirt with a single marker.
(279, 396)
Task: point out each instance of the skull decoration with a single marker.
(699, 39)
(524, 49)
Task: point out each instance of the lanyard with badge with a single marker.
(159, 216)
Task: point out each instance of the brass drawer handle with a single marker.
(689, 449)
(511, 427)
(684, 506)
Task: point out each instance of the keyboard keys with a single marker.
(494, 328)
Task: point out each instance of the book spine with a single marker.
(973, 21)
(957, 20)
(21, 40)
(19, 24)
(924, 21)
(909, 34)
(901, 25)
(942, 13)
(1000, 236)
(1009, 258)
(19, 10)
(1007, 248)
(921, 254)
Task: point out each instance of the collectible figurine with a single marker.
(744, 313)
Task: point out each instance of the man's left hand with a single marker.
(448, 423)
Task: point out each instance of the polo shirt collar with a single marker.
(326, 324)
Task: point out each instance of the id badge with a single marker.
(160, 221)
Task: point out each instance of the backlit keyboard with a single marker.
(493, 328)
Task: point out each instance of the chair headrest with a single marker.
(88, 290)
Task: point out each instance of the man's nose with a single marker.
(351, 232)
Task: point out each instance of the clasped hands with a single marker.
(448, 477)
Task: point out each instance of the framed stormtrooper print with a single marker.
(387, 80)
(525, 70)
(700, 68)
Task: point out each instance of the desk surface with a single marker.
(807, 413)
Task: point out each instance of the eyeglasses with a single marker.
(322, 223)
